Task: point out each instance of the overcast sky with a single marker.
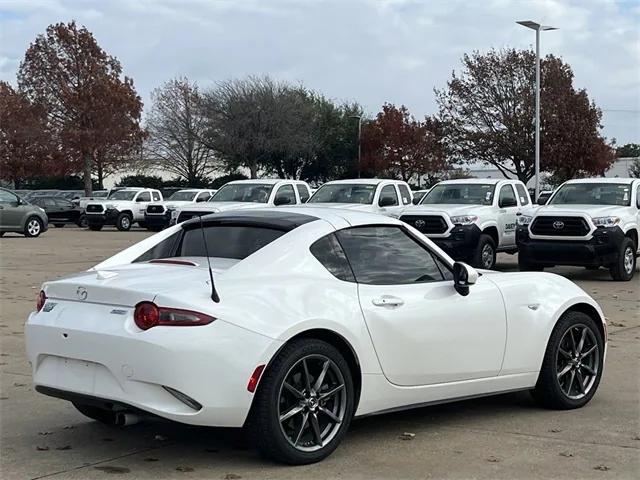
(372, 51)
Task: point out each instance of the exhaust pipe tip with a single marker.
(125, 418)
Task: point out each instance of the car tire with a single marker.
(83, 222)
(58, 225)
(625, 265)
(310, 434)
(101, 415)
(95, 228)
(572, 358)
(33, 227)
(525, 266)
(485, 253)
(123, 222)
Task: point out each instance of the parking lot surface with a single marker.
(504, 436)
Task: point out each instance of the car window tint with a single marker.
(405, 194)
(7, 197)
(166, 248)
(522, 193)
(303, 191)
(64, 203)
(49, 202)
(286, 191)
(506, 193)
(389, 191)
(227, 241)
(330, 254)
(144, 197)
(386, 255)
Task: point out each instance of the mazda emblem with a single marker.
(558, 225)
(81, 292)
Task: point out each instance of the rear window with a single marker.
(227, 241)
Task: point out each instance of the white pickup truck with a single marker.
(244, 194)
(387, 197)
(123, 208)
(588, 222)
(471, 219)
(158, 214)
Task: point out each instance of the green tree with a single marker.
(629, 150)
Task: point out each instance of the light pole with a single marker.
(538, 28)
(359, 117)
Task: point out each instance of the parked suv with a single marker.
(19, 216)
(123, 208)
(388, 197)
(158, 214)
(471, 219)
(244, 194)
(589, 222)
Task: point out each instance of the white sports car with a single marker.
(306, 318)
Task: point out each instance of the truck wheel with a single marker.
(33, 227)
(485, 254)
(95, 228)
(625, 266)
(83, 222)
(123, 222)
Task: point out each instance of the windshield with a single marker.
(344, 193)
(99, 194)
(593, 194)
(460, 194)
(243, 192)
(182, 196)
(123, 195)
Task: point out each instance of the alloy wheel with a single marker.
(577, 361)
(629, 257)
(125, 222)
(33, 227)
(312, 403)
(487, 256)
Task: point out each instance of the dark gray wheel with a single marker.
(33, 227)
(304, 403)
(83, 222)
(123, 222)
(485, 254)
(625, 266)
(572, 365)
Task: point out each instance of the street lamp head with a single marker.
(535, 25)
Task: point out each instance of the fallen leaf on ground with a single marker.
(602, 468)
(16, 384)
(407, 436)
(64, 447)
(232, 476)
(555, 430)
(566, 454)
(616, 324)
(493, 459)
(42, 449)
(184, 469)
(45, 433)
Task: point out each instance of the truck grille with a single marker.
(92, 208)
(426, 223)
(155, 209)
(560, 226)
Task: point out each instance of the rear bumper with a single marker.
(601, 250)
(84, 350)
(461, 242)
(157, 220)
(108, 217)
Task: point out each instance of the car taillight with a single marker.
(148, 315)
(40, 300)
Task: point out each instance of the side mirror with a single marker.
(542, 200)
(281, 200)
(508, 202)
(386, 202)
(463, 277)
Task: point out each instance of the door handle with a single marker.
(387, 301)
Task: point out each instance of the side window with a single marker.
(522, 193)
(638, 197)
(64, 203)
(329, 253)
(405, 194)
(7, 198)
(156, 196)
(388, 196)
(49, 202)
(388, 256)
(203, 197)
(303, 191)
(286, 191)
(507, 198)
(144, 197)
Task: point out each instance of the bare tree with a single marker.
(175, 127)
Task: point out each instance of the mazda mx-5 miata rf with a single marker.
(305, 318)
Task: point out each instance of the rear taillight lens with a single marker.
(40, 301)
(149, 315)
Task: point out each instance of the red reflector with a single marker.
(255, 378)
(40, 300)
